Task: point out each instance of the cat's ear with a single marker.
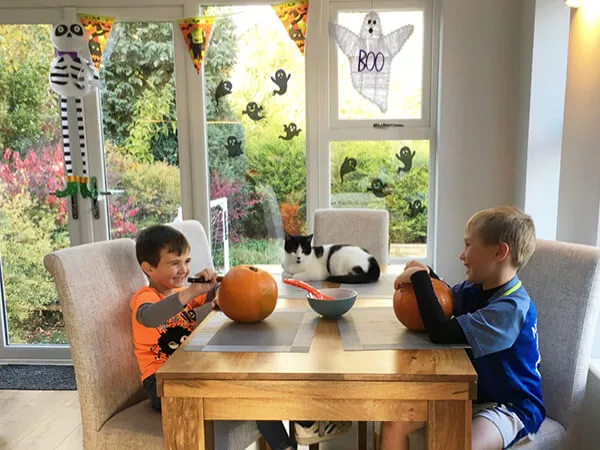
(309, 238)
(288, 236)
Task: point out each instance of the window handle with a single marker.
(112, 192)
(387, 125)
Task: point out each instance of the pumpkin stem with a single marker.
(253, 269)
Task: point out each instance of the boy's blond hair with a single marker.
(506, 224)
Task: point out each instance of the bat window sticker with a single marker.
(348, 166)
(405, 156)
(291, 131)
(234, 147)
(415, 208)
(224, 88)
(281, 79)
(379, 188)
(253, 110)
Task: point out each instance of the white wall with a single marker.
(579, 200)
(579, 195)
(525, 76)
(544, 115)
(478, 108)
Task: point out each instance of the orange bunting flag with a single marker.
(196, 34)
(98, 28)
(294, 17)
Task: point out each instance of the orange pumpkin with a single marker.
(407, 309)
(248, 294)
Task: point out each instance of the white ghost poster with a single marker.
(371, 54)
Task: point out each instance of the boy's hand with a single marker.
(196, 289)
(415, 263)
(409, 270)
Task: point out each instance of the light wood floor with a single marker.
(44, 420)
(49, 420)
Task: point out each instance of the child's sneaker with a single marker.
(320, 431)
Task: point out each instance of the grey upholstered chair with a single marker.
(367, 228)
(564, 282)
(95, 283)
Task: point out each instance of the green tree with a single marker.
(138, 93)
(28, 111)
(220, 59)
(138, 97)
(28, 233)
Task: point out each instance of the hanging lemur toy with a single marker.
(73, 77)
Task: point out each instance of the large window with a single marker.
(251, 147)
(33, 221)
(132, 141)
(140, 126)
(381, 151)
(365, 174)
(405, 98)
(255, 115)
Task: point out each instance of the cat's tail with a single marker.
(359, 275)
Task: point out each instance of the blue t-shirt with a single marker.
(502, 332)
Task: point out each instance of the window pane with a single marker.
(390, 175)
(33, 221)
(140, 126)
(406, 76)
(257, 166)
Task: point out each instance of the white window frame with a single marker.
(329, 128)
(383, 5)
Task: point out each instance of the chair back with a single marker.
(199, 246)
(366, 228)
(95, 284)
(563, 281)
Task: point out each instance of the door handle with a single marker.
(95, 205)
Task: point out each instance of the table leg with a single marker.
(362, 435)
(183, 423)
(449, 425)
(262, 444)
(209, 434)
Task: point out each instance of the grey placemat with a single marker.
(287, 330)
(383, 288)
(378, 329)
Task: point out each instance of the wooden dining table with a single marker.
(327, 383)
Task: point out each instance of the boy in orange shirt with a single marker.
(164, 313)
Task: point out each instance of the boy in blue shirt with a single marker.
(495, 316)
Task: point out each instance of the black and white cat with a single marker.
(336, 263)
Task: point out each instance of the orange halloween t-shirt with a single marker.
(154, 345)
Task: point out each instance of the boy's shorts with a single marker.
(508, 423)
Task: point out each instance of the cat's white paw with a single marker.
(285, 274)
(301, 276)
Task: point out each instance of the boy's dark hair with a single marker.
(150, 241)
